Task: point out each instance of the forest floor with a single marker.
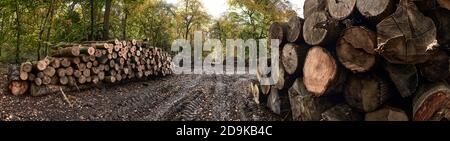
(173, 98)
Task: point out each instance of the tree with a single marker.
(106, 19)
(42, 29)
(257, 15)
(18, 28)
(191, 14)
(91, 35)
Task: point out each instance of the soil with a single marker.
(173, 98)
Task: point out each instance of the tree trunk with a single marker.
(355, 49)
(295, 32)
(387, 114)
(367, 93)
(341, 112)
(322, 73)
(18, 29)
(430, 99)
(106, 19)
(92, 27)
(404, 77)
(293, 58)
(377, 10)
(320, 29)
(42, 29)
(441, 18)
(304, 106)
(340, 9)
(407, 36)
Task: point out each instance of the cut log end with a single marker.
(321, 72)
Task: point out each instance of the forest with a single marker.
(30, 28)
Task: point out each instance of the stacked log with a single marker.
(84, 64)
(374, 60)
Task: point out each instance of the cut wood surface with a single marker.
(321, 71)
(295, 34)
(407, 36)
(366, 93)
(320, 29)
(340, 9)
(404, 77)
(375, 10)
(356, 49)
(293, 58)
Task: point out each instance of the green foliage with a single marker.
(156, 21)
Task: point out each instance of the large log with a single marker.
(366, 92)
(44, 89)
(322, 73)
(407, 36)
(340, 9)
(293, 58)
(376, 10)
(404, 77)
(311, 6)
(295, 34)
(26, 67)
(67, 52)
(320, 29)
(278, 102)
(50, 71)
(437, 68)
(87, 50)
(356, 49)
(429, 100)
(304, 106)
(387, 114)
(341, 112)
(16, 86)
(278, 31)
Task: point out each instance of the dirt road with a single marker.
(174, 98)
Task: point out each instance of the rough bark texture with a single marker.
(430, 99)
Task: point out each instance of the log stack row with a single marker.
(86, 64)
(362, 60)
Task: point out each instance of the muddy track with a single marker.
(174, 98)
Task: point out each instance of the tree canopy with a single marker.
(29, 28)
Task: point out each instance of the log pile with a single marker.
(374, 60)
(74, 66)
